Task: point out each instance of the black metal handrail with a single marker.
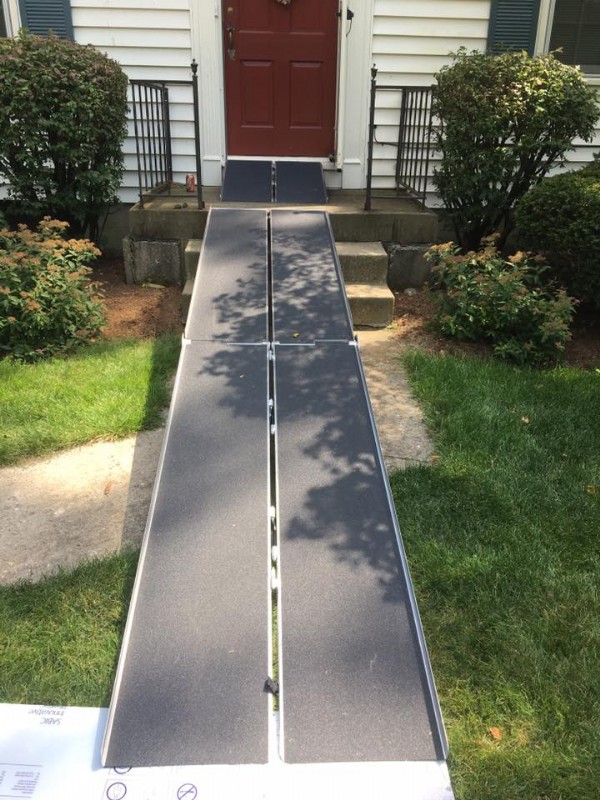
(152, 128)
(413, 144)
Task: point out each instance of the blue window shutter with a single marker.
(513, 25)
(41, 16)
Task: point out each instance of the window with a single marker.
(576, 29)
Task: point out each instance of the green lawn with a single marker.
(503, 537)
(60, 638)
(107, 390)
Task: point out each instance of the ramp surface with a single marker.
(230, 298)
(247, 182)
(299, 182)
(189, 686)
(353, 675)
(309, 302)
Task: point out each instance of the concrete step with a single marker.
(186, 297)
(190, 258)
(371, 304)
(363, 262)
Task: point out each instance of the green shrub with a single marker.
(48, 304)
(503, 122)
(483, 297)
(63, 120)
(561, 218)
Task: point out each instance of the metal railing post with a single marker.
(137, 142)
(197, 132)
(371, 137)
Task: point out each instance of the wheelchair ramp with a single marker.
(189, 686)
(247, 182)
(287, 182)
(271, 493)
(299, 182)
(309, 302)
(230, 297)
(353, 667)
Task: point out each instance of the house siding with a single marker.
(151, 39)
(412, 40)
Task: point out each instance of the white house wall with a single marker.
(150, 39)
(412, 40)
(408, 40)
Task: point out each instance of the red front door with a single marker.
(280, 76)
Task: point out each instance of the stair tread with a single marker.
(370, 249)
(368, 290)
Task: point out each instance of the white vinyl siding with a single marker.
(151, 39)
(412, 40)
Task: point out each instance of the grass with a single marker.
(60, 638)
(107, 390)
(503, 536)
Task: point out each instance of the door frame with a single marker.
(354, 61)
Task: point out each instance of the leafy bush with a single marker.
(503, 122)
(561, 218)
(48, 304)
(63, 118)
(502, 302)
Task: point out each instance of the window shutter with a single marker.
(41, 16)
(513, 25)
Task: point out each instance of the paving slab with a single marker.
(82, 503)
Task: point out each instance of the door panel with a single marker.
(280, 76)
(257, 93)
(306, 106)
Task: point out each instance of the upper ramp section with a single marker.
(230, 301)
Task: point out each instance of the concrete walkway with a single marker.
(93, 500)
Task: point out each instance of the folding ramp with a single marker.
(356, 684)
(272, 464)
(189, 685)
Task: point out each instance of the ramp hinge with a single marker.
(274, 580)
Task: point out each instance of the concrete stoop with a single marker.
(165, 240)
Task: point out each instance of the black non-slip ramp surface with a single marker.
(299, 182)
(353, 675)
(309, 301)
(230, 297)
(190, 682)
(247, 182)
